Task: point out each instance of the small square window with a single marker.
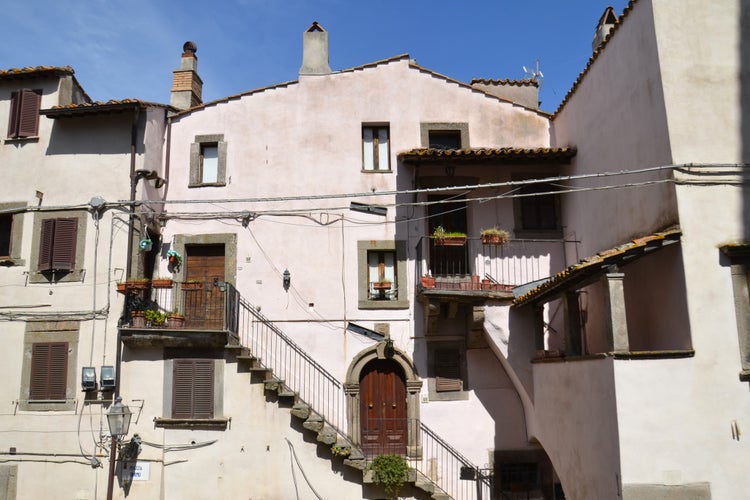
(445, 139)
(376, 148)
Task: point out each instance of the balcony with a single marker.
(190, 314)
(484, 270)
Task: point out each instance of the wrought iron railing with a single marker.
(478, 266)
(203, 305)
(316, 387)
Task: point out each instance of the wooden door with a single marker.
(204, 307)
(382, 399)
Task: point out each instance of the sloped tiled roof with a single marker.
(595, 55)
(474, 155)
(96, 107)
(526, 82)
(6, 74)
(578, 274)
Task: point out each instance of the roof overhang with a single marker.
(96, 108)
(489, 155)
(589, 270)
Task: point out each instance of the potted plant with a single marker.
(155, 318)
(494, 236)
(192, 285)
(448, 238)
(174, 258)
(161, 282)
(175, 319)
(382, 285)
(392, 471)
(428, 281)
(137, 314)
(136, 284)
(121, 288)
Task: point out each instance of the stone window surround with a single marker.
(195, 163)
(35, 276)
(413, 388)
(739, 264)
(399, 246)
(457, 342)
(50, 331)
(16, 234)
(218, 387)
(426, 127)
(377, 125)
(229, 240)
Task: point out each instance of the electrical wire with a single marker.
(296, 459)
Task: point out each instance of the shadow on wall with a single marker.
(744, 106)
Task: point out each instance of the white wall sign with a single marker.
(139, 471)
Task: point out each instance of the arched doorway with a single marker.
(383, 376)
(382, 408)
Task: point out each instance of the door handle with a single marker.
(370, 405)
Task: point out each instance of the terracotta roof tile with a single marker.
(425, 155)
(526, 82)
(98, 107)
(579, 272)
(35, 71)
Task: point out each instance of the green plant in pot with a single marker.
(494, 236)
(392, 471)
(155, 317)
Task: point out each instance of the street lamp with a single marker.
(118, 420)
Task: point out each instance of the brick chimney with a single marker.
(603, 27)
(315, 51)
(187, 86)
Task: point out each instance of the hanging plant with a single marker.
(391, 471)
(174, 258)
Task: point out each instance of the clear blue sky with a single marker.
(129, 49)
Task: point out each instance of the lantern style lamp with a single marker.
(118, 420)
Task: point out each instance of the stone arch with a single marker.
(382, 350)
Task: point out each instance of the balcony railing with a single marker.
(478, 266)
(209, 305)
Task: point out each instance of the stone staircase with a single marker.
(316, 423)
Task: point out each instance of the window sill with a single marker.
(219, 424)
(18, 140)
(383, 304)
(207, 184)
(46, 277)
(377, 171)
(11, 262)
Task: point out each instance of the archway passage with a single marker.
(383, 408)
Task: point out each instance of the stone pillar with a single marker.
(617, 325)
(572, 324)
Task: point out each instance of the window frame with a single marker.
(193, 379)
(450, 388)
(426, 127)
(401, 300)
(39, 333)
(23, 119)
(520, 204)
(377, 164)
(196, 160)
(181, 355)
(14, 234)
(73, 271)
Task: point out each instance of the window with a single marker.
(24, 113)
(448, 135)
(193, 389)
(208, 161)
(6, 228)
(446, 370)
(48, 375)
(382, 274)
(538, 213)
(445, 139)
(49, 368)
(376, 151)
(57, 244)
(11, 234)
(739, 262)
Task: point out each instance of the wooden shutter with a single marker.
(193, 388)
(64, 246)
(57, 244)
(447, 369)
(28, 119)
(46, 240)
(49, 371)
(15, 106)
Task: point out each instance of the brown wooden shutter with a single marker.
(64, 246)
(46, 240)
(28, 119)
(49, 371)
(15, 107)
(193, 388)
(447, 370)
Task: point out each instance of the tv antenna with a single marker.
(534, 74)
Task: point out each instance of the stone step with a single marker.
(301, 410)
(327, 435)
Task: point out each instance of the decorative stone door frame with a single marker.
(413, 387)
